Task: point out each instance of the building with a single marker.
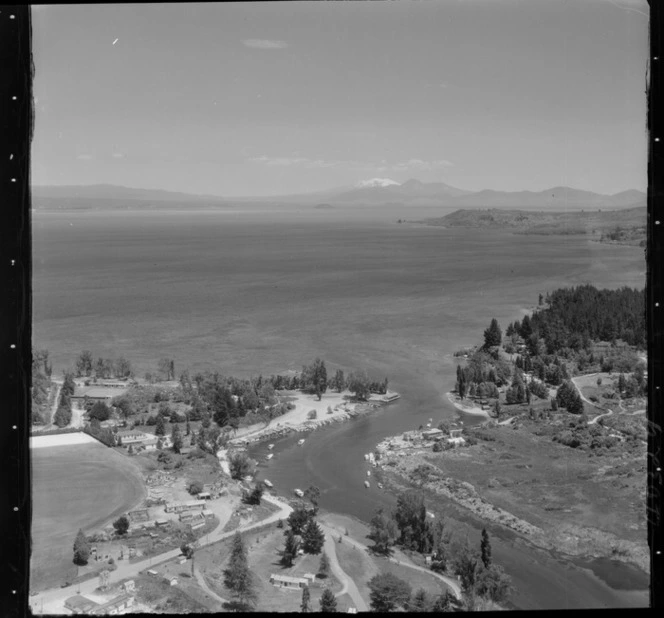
(291, 583)
(139, 515)
(310, 577)
(118, 605)
(80, 605)
(432, 434)
(180, 507)
(131, 436)
(455, 438)
(129, 586)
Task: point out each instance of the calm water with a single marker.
(262, 292)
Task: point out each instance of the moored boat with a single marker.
(270, 456)
(368, 472)
(268, 484)
(300, 442)
(299, 493)
(366, 484)
(270, 446)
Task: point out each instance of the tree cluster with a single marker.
(102, 368)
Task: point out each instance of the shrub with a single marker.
(312, 414)
(437, 447)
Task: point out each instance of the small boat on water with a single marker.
(368, 472)
(268, 484)
(366, 456)
(366, 484)
(270, 456)
(299, 493)
(380, 486)
(300, 442)
(270, 446)
(428, 425)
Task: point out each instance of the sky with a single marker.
(254, 99)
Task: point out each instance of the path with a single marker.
(349, 585)
(54, 406)
(203, 584)
(594, 405)
(453, 584)
(52, 601)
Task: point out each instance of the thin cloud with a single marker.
(382, 166)
(265, 44)
(287, 161)
(84, 157)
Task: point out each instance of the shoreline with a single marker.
(465, 408)
(295, 422)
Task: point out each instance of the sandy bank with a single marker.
(63, 439)
(332, 408)
(466, 408)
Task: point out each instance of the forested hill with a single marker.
(573, 317)
(543, 222)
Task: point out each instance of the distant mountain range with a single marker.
(374, 192)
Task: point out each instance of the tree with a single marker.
(305, 606)
(388, 592)
(121, 525)
(384, 532)
(359, 385)
(237, 576)
(298, 519)
(81, 549)
(100, 411)
(575, 403)
(466, 567)
(312, 493)
(410, 516)
(255, 495)
(167, 368)
(122, 368)
(492, 335)
(324, 566)
(62, 416)
(195, 488)
(494, 583)
(420, 602)
(187, 550)
(313, 538)
(485, 548)
(339, 381)
(176, 438)
(328, 602)
(84, 363)
(291, 547)
(239, 465)
(443, 603)
(160, 426)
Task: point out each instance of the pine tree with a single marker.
(313, 538)
(420, 601)
(237, 576)
(443, 603)
(291, 547)
(81, 549)
(160, 426)
(324, 566)
(492, 335)
(176, 438)
(328, 602)
(485, 547)
(305, 606)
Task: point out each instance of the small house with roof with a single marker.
(290, 583)
(80, 605)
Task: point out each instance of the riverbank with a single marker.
(550, 495)
(466, 408)
(309, 414)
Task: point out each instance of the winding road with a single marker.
(52, 601)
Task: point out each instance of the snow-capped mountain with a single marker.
(377, 182)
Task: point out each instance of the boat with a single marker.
(366, 456)
(366, 484)
(270, 446)
(268, 484)
(300, 442)
(270, 456)
(368, 472)
(428, 425)
(380, 486)
(299, 493)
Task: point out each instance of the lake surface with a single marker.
(264, 291)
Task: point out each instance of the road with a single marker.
(453, 584)
(348, 584)
(52, 601)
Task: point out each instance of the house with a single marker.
(150, 444)
(80, 605)
(310, 577)
(172, 581)
(432, 434)
(162, 522)
(118, 605)
(131, 436)
(129, 585)
(185, 450)
(139, 515)
(290, 583)
(205, 495)
(180, 507)
(455, 438)
(352, 610)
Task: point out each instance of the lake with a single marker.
(262, 291)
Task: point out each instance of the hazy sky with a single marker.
(288, 97)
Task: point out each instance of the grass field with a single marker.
(76, 486)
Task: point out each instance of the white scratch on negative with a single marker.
(116, 40)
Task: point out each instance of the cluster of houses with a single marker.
(121, 604)
(455, 438)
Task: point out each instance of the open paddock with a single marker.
(75, 486)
